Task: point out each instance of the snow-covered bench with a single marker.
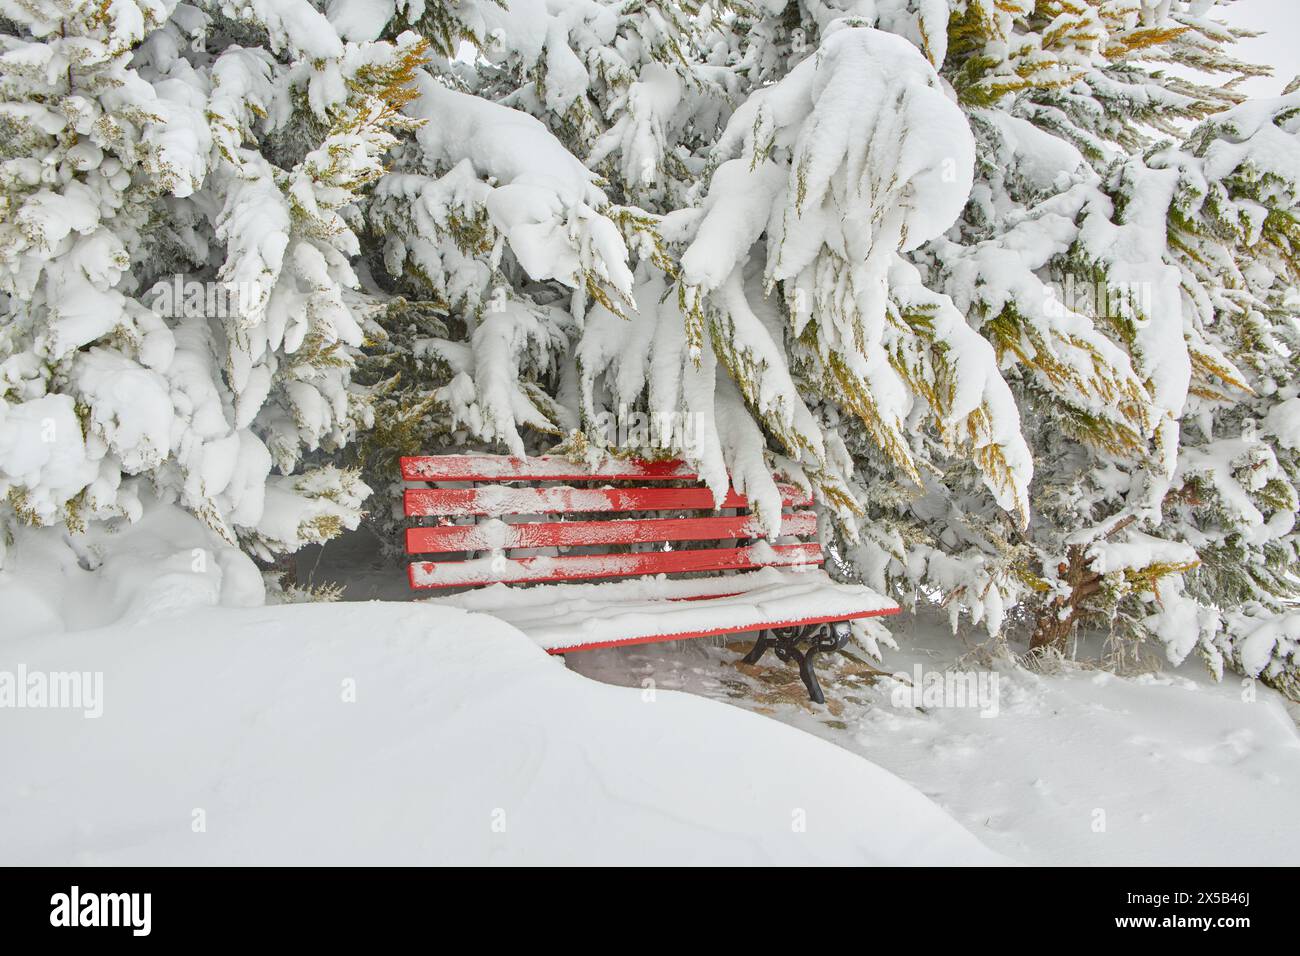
(505, 521)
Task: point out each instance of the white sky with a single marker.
(1278, 48)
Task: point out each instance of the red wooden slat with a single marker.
(481, 537)
(543, 468)
(714, 631)
(498, 500)
(447, 574)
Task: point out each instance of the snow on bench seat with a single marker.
(763, 576)
(570, 617)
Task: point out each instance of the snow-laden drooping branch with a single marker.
(543, 200)
(180, 275)
(856, 156)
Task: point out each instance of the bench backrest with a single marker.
(499, 506)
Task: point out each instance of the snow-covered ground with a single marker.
(400, 733)
(1077, 766)
(1074, 767)
(379, 731)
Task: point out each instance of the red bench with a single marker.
(500, 522)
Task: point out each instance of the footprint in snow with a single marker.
(1235, 747)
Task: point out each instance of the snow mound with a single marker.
(226, 736)
(121, 572)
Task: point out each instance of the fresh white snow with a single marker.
(1079, 767)
(459, 722)
(465, 743)
(568, 615)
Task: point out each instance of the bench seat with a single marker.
(576, 617)
(579, 558)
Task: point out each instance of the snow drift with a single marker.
(404, 734)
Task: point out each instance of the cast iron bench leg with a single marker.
(758, 650)
(809, 675)
(820, 638)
